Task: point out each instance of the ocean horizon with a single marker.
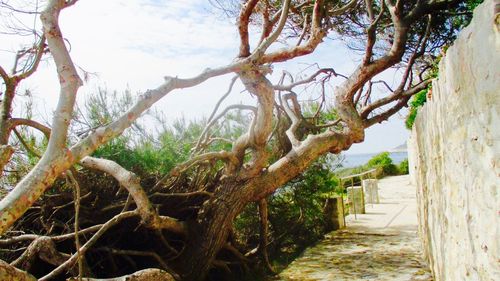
(354, 160)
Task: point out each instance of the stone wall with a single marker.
(454, 156)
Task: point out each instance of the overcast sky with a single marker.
(135, 43)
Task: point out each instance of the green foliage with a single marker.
(103, 106)
(403, 167)
(472, 4)
(456, 23)
(383, 161)
(464, 19)
(417, 101)
(147, 157)
(151, 152)
(295, 213)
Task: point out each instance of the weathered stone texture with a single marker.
(356, 198)
(334, 213)
(370, 188)
(455, 156)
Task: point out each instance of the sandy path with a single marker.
(379, 245)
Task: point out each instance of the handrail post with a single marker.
(362, 189)
(353, 199)
(341, 184)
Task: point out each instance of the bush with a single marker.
(295, 214)
(146, 158)
(403, 167)
(384, 162)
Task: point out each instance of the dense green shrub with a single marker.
(295, 214)
(300, 204)
(153, 151)
(150, 158)
(403, 167)
(383, 161)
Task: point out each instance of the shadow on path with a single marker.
(380, 245)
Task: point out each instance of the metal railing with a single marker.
(370, 174)
(372, 171)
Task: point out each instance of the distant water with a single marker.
(353, 160)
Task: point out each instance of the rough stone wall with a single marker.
(455, 156)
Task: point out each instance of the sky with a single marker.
(133, 44)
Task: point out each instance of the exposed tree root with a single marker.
(9, 272)
(264, 229)
(114, 241)
(150, 274)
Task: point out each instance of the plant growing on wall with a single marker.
(420, 98)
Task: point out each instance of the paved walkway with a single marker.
(379, 245)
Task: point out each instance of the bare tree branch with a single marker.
(14, 122)
(70, 262)
(4, 74)
(311, 78)
(209, 156)
(39, 51)
(395, 96)
(388, 113)
(261, 49)
(142, 275)
(212, 121)
(317, 35)
(293, 115)
(371, 30)
(243, 22)
(132, 183)
(264, 228)
(230, 88)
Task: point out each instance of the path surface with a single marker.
(379, 245)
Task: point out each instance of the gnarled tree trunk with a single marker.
(209, 232)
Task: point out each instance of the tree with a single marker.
(280, 141)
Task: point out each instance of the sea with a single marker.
(354, 160)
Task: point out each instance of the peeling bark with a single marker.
(132, 183)
(264, 229)
(150, 274)
(208, 233)
(6, 152)
(9, 272)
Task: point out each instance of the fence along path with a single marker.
(379, 245)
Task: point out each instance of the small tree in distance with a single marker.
(279, 143)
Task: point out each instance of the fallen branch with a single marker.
(131, 182)
(105, 227)
(9, 272)
(148, 274)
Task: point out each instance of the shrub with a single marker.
(384, 162)
(403, 167)
(417, 101)
(295, 214)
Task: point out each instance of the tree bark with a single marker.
(6, 150)
(264, 228)
(208, 234)
(8, 272)
(149, 274)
